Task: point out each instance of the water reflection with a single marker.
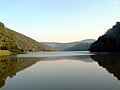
(9, 66)
(83, 72)
(84, 58)
(110, 62)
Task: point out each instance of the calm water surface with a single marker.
(60, 71)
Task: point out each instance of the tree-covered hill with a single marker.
(109, 42)
(14, 41)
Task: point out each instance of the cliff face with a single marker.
(109, 42)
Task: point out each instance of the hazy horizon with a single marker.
(61, 20)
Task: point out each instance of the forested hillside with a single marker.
(14, 41)
(109, 42)
(7, 38)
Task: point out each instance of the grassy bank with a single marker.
(5, 52)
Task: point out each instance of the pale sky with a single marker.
(60, 20)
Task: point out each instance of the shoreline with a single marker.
(5, 52)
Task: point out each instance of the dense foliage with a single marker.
(109, 42)
(14, 41)
(27, 44)
(7, 39)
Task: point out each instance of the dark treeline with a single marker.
(109, 42)
(14, 41)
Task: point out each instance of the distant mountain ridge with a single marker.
(71, 46)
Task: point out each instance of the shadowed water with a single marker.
(60, 71)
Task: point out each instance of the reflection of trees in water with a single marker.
(7, 69)
(110, 62)
(10, 66)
